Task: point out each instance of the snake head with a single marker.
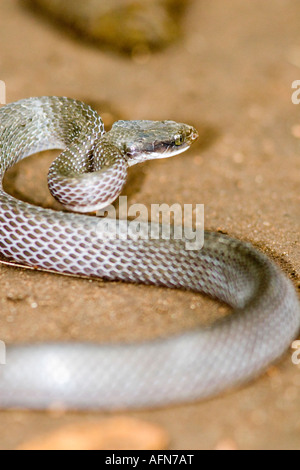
(148, 140)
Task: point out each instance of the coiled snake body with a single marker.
(88, 175)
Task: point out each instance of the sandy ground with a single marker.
(231, 78)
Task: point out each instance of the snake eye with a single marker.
(179, 140)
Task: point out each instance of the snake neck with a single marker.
(88, 176)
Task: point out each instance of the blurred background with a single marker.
(225, 67)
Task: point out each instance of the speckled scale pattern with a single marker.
(190, 366)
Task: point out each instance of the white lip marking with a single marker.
(174, 152)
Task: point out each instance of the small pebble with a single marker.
(273, 372)
(15, 297)
(238, 158)
(296, 131)
(226, 444)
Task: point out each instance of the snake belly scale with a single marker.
(88, 175)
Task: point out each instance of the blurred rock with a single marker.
(119, 433)
(124, 25)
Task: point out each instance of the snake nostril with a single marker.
(193, 134)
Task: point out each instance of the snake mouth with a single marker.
(171, 151)
(159, 151)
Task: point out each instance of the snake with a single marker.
(89, 175)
